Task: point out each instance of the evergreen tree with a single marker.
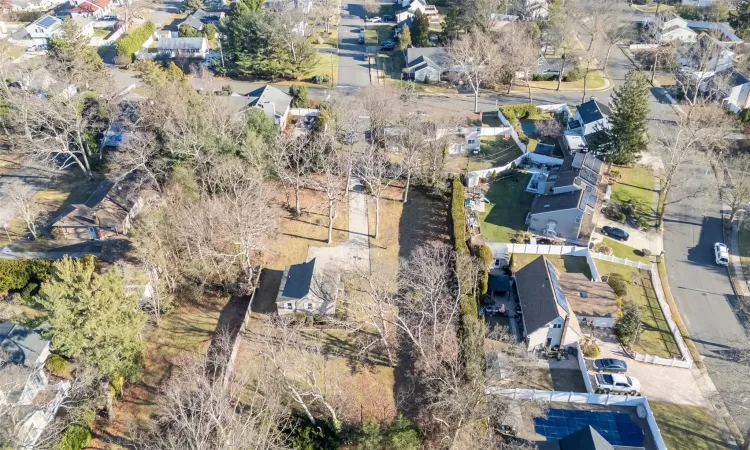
(186, 30)
(453, 23)
(740, 19)
(70, 47)
(420, 29)
(626, 138)
(628, 327)
(92, 318)
(404, 39)
(299, 96)
(402, 435)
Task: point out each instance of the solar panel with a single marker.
(559, 294)
(47, 21)
(617, 428)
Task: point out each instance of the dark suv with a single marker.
(616, 233)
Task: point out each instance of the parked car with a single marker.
(617, 233)
(388, 18)
(361, 37)
(375, 19)
(610, 365)
(387, 45)
(110, 17)
(721, 254)
(617, 383)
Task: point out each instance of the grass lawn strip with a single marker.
(688, 427)
(565, 263)
(507, 214)
(636, 183)
(655, 338)
(596, 80)
(494, 152)
(623, 251)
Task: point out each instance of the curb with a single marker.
(672, 102)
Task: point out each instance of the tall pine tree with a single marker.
(740, 19)
(627, 138)
(420, 29)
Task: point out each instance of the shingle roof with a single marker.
(541, 298)
(588, 298)
(436, 56)
(591, 111)
(181, 43)
(23, 345)
(270, 99)
(47, 21)
(585, 439)
(297, 280)
(556, 202)
(199, 18)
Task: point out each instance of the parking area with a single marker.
(659, 383)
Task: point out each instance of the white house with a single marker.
(186, 47)
(594, 303)
(274, 102)
(42, 29)
(698, 3)
(735, 88)
(548, 319)
(407, 11)
(589, 118)
(33, 5)
(94, 9)
(667, 26)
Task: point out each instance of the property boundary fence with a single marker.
(686, 362)
(584, 369)
(590, 399)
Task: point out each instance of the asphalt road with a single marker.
(354, 66)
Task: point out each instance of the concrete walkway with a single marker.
(734, 258)
(354, 253)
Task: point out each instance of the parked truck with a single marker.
(616, 383)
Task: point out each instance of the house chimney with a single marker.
(564, 331)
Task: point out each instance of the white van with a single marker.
(721, 254)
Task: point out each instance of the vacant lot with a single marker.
(688, 427)
(510, 205)
(565, 264)
(655, 339)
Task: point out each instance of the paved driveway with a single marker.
(660, 383)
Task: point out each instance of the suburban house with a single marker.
(594, 303)
(426, 65)
(406, 12)
(667, 26)
(274, 102)
(698, 3)
(308, 288)
(39, 80)
(734, 88)
(109, 212)
(586, 438)
(40, 31)
(568, 216)
(33, 5)
(200, 18)
(548, 320)
(546, 65)
(29, 402)
(186, 47)
(303, 7)
(581, 171)
(589, 118)
(95, 9)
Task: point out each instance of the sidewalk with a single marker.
(735, 265)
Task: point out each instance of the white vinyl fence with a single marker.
(584, 369)
(590, 399)
(686, 362)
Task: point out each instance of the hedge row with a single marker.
(514, 113)
(15, 274)
(471, 328)
(131, 42)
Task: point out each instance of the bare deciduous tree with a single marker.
(139, 154)
(736, 189)
(325, 11)
(520, 54)
(25, 208)
(378, 174)
(695, 135)
(332, 169)
(478, 56)
(293, 162)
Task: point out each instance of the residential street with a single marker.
(354, 69)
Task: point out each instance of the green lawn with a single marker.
(687, 427)
(565, 264)
(494, 152)
(326, 64)
(623, 251)
(101, 32)
(375, 34)
(371, 37)
(745, 248)
(595, 81)
(655, 339)
(392, 63)
(507, 214)
(635, 183)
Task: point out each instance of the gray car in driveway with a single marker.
(610, 365)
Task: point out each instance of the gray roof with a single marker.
(536, 292)
(200, 18)
(297, 280)
(273, 101)
(434, 56)
(585, 439)
(181, 43)
(591, 111)
(47, 21)
(22, 344)
(556, 202)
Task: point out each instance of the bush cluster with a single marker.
(543, 77)
(471, 327)
(589, 348)
(55, 364)
(16, 274)
(131, 42)
(617, 282)
(573, 75)
(514, 113)
(75, 437)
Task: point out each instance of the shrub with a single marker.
(458, 215)
(543, 77)
(484, 254)
(402, 435)
(75, 437)
(573, 75)
(618, 284)
(226, 90)
(321, 79)
(603, 249)
(211, 32)
(621, 217)
(589, 349)
(514, 113)
(628, 327)
(56, 364)
(28, 292)
(299, 96)
(186, 30)
(131, 42)
(369, 437)
(15, 274)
